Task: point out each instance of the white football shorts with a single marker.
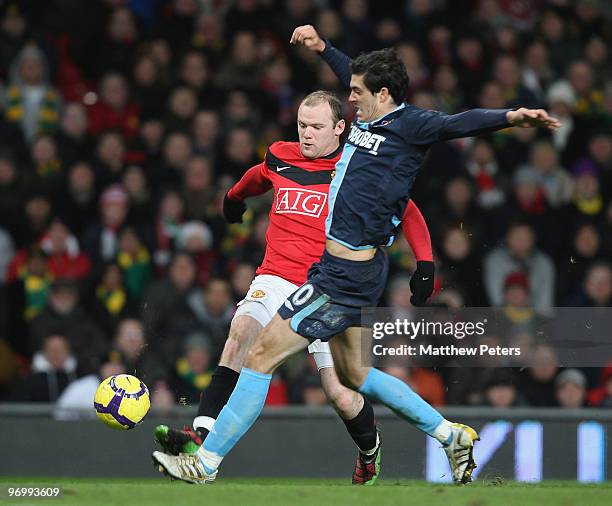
(266, 294)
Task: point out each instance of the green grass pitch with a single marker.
(323, 492)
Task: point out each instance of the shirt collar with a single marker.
(366, 123)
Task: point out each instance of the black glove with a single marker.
(233, 209)
(422, 282)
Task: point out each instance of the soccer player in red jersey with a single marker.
(299, 173)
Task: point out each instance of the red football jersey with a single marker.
(296, 234)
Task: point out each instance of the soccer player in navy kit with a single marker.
(383, 152)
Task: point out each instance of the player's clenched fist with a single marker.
(233, 210)
(307, 35)
(422, 282)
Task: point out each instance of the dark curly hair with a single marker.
(383, 69)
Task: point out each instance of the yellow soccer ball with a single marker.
(122, 401)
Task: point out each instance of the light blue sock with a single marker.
(236, 418)
(399, 397)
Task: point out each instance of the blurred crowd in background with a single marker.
(124, 122)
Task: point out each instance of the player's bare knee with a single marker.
(260, 357)
(246, 326)
(240, 337)
(242, 332)
(232, 347)
(256, 358)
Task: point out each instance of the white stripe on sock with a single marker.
(210, 460)
(443, 431)
(203, 422)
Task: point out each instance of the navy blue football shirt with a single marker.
(380, 161)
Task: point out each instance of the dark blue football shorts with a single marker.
(334, 294)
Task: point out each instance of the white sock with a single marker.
(210, 460)
(203, 422)
(443, 432)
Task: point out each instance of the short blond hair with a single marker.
(325, 97)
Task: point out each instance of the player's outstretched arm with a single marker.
(427, 127)
(417, 234)
(336, 59)
(254, 182)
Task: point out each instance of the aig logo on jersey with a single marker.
(299, 201)
(365, 139)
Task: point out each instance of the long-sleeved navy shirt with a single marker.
(381, 159)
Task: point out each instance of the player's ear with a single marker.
(383, 94)
(340, 126)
